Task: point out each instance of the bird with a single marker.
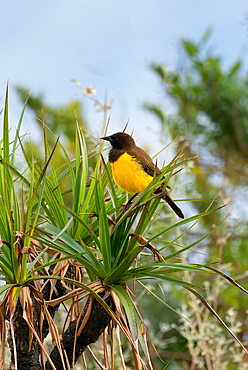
(133, 169)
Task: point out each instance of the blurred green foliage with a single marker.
(210, 115)
(60, 120)
(212, 107)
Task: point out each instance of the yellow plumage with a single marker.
(129, 175)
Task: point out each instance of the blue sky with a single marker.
(109, 45)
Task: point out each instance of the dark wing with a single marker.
(149, 167)
(145, 160)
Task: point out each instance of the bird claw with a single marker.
(129, 203)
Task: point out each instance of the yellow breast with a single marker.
(129, 175)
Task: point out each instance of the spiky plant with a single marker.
(83, 253)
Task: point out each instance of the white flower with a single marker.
(89, 91)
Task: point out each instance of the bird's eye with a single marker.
(116, 142)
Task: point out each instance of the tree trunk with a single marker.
(30, 360)
(26, 360)
(97, 322)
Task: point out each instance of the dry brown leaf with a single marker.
(145, 243)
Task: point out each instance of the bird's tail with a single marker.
(173, 205)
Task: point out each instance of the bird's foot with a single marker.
(129, 203)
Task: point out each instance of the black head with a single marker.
(120, 140)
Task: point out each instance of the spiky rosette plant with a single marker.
(83, 252)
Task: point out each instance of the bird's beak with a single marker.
(107, 138)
